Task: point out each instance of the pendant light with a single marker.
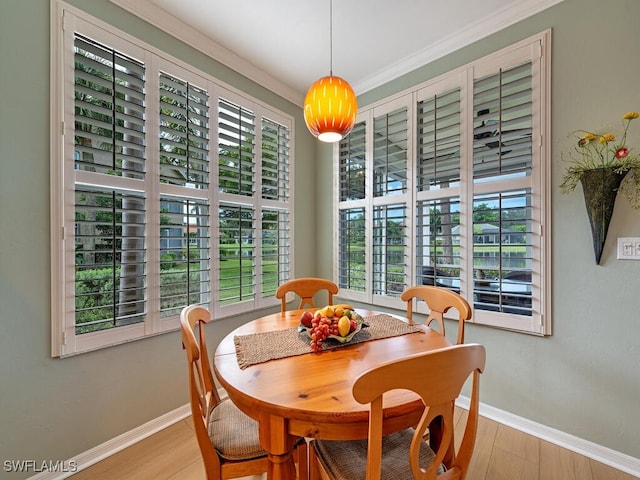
(330, 106)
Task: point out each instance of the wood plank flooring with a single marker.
(501, 453)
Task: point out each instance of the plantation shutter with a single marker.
(275, 161)
(236, 149)
(438, 130)
(390, 249)
(503, 237)
(276, 250)
(352, 164)
(352, 254)
(184, 205)
(389, 243)
(352, 264)
(502, 103)
(438, 243)
(184, 254)
(110, 209)
(237, 253)
(438, 168)
(275, 234)
(184, 137)
(109, 111)
(143, 221)
(458, 168)
(390, 153)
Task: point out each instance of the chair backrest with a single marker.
(306, 288)
(439, 300)
(203, 394)
(438, 377)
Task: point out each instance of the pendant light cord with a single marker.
(331, 38)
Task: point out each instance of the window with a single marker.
(456, 168)
(169, 189)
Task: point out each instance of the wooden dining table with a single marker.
(310, 395)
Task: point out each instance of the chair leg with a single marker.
(314, 472)
(302, 460)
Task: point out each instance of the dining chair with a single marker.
(306, 288)
(439, 300)
(228, 438)
(437, 377)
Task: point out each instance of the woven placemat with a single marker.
(262, 347)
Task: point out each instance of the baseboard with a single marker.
(113, 446)
(617, 460)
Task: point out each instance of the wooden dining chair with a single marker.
(439, 300)
(437, 377)
(306, 288)
(228, 439)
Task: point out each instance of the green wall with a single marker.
(585, 378)
(53, 409)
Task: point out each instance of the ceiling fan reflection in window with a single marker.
(501, 145)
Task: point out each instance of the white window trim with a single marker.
(64, 341)
(539, 323)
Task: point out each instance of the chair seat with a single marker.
(233, 434)
(347, 460)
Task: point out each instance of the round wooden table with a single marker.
(310, 395)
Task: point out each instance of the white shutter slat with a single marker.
(275, 161)
(184, 123)
(352, 241)
(352, 164)
(185, 254)
(237, 244)
(276, 250)
(390, 153)
(438, 141)
(236, 149)
(503, 252)
(503, 125)
(438, 243)
(389, 250)
(109, 110)
(110, 239)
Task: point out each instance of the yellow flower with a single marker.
(630, 115)
(586, 139)
(607, 137)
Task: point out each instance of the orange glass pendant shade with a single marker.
(330, 109)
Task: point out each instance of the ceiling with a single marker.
(285, 45)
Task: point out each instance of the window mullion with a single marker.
(467, 185)
(152, 188)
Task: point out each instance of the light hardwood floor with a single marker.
(501, 453)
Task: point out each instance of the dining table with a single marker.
(270, 372)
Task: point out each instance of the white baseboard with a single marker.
(617, 460)
(113, 446)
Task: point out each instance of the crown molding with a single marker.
(188, 35)
(511, 14)
(497, 21)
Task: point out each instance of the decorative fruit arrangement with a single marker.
(340, 322)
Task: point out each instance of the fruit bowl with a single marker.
(359, 324)
(339, 322)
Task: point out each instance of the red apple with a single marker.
(305, 319)
(352, 325)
